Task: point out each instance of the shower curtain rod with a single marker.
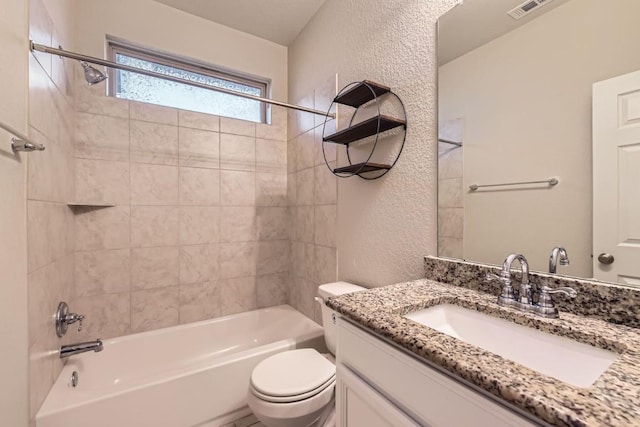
(111, 64)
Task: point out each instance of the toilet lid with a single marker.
(292, 373)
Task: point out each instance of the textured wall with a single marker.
(50, 226)
(384, 226)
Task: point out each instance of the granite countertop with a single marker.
(614, 399)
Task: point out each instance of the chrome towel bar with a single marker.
(21, 142)
(446, 141)
(550, 181)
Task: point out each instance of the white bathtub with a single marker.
(189, 375)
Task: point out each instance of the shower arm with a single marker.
(111, 64)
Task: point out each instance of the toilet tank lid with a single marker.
(337, 288)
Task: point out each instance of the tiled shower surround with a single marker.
(199, 226)
(312, 196)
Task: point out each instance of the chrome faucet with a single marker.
(522, 298)
(71, 349)
(556, 252)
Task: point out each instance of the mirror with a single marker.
(516, 94)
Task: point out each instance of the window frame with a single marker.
(119, 47)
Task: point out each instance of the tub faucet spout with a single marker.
(71, 349)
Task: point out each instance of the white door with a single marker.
(616, 179)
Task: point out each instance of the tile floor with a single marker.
(249, 421)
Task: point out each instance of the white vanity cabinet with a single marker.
(380, 385)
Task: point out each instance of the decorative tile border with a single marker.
(609, 302)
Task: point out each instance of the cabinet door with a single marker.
(360, 405)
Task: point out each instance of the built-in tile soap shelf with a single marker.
(83, 205)
(357, 95)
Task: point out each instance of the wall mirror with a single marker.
(517, 103)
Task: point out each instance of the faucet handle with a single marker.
(545, 299)
(506, 294)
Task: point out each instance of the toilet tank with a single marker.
(328, 315)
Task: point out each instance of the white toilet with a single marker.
(296, 388)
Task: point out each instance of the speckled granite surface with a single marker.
(611, 303)
(614, 399)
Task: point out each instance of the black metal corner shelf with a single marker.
(362, 168)
(361, 93)
(356, 95)
(364, 129)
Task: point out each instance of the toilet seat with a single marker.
(292, 376)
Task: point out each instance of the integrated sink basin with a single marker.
(564, 359)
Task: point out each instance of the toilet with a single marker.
(296, 388)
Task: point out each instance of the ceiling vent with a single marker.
(526, 8)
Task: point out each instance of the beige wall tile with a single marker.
(450, 193)
(198, 263)
(237, 188)
(153, 143)
(199, 148)
(237, 295)
(272, 223)
(199, 187)
(323, 97)
(277, 129)
(237, 224)
(325, 186)
(271, 289)
(237, 127)
(89, 102)
(41, 368)
(292, 189)
(308, 290)
(102, 272)
(195, 120)
(330, 149)
(311, 263)
(325, 225)
(153, 113)
(101, 137)
(46, 234)
(100, 180)
(305, 121)
(237, 259)
(304, 187)
(450, 247)
(272, 257)
(304, 224)
(291, 156)
(450, 163)
(271, 189)
(451, 222)
(271, 156)
(199, 224)
(155, 267)
(237, 152)
(154, 184)
(297, 257)
(106, 228)
(305, 150)
(199, 301)
(326, 264)
(154, 226)
(50, 175)
(155, 309)
(106, 316)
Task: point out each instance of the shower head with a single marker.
(91, 74)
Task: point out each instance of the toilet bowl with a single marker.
(296, 388)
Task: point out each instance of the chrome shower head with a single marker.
(91, 74)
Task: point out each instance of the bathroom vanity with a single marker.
(394, 371)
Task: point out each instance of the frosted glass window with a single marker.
(138, 87)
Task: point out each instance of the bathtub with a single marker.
(189, 375)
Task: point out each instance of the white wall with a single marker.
(385, 226)
(161, 27)
(13, 250)
(526, 103)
